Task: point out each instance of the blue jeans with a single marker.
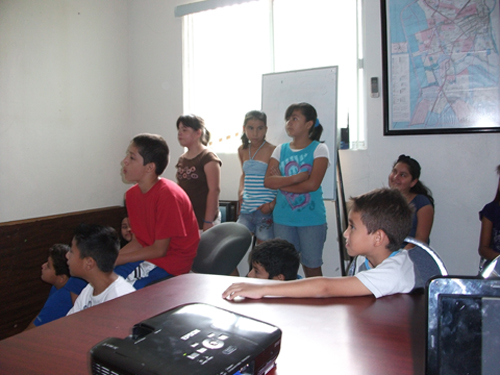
(259, 224)
(308, 241)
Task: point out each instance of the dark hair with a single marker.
(252, 115)
(497, 196)
(385, 209)
(98, 242)
(196, 123)
(58, 254)
(414, 167)
(153, 149)
(278, 257)
(309, 112)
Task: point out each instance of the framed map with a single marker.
(441, 66)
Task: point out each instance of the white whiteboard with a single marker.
(317, 87)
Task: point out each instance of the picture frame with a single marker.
(441, 66)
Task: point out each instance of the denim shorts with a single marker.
(259, 224)
(308, 241)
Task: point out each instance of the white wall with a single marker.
(64, 105)
(74, 88)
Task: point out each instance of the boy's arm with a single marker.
(315, 287)
(135, 252)
(313, 181)
(274, 179)
(132, 246)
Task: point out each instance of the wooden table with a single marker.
(359, 335)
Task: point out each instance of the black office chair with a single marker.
(221, 248)
(427, 262)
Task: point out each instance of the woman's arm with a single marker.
(314, 179)
(485, 239)
(274, 179)
(425, 218)
(212, 171)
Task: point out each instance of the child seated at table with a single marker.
(274, 260)
(55, 271)
(160, 213)
(378, 223)
(92, 256)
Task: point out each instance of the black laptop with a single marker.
(463, 334)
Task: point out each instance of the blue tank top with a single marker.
(254, 192)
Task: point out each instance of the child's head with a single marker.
(153, 149)
(56, 265)
(383, 209)
(125, 232)
(254, 128)
(274, 259)
(310, 114)
(93, 244)
(191, 127)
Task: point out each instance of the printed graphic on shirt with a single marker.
(186, 173)
(290, 167)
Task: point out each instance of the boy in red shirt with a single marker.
(160, 213)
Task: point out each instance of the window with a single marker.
(226, 51)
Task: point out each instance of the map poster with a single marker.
(441, 65)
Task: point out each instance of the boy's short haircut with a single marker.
(153, 149)
(277, 256)
(388, 210)
(58, 255)
(98, 242)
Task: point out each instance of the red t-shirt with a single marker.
(163, 212)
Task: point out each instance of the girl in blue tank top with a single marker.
(297, 170)
(256, 201)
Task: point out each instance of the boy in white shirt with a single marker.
(92, 257)
(379, 221)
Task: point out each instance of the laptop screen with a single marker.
(464, 326)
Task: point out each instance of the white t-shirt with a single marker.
(86, 299)
(320, 152)
(395, 274)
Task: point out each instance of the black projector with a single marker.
(191, 339)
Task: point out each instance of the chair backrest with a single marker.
(427, 262)
(221, 248)
(491, 269)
